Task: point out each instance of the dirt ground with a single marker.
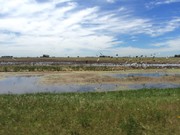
(98, 77)
(102, 78)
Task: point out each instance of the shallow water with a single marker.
(153, 85)
(31, 84)
(158, 74)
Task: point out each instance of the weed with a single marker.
(74, 133)
(131, 126)
(85, 120)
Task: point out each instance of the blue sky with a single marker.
(89, 27)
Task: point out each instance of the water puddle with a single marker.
(31, 84)
(153, 85)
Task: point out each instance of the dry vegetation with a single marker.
(103, 78)
(94, 60)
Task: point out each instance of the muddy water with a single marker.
(31, 84)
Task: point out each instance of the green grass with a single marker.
(150, 112)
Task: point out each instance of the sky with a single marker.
(61, 28)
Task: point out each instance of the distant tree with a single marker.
(45, 56)
(177, 55)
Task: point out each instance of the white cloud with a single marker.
(164, 48)
(166, 2)
(160, 2)
(169, 45)
(121, 9)
(46, 28)
(110, 1)
(165, 27)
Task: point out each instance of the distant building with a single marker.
(9, 57)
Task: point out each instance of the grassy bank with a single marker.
(112, 113)
(29, 68)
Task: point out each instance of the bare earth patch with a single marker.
(77, 77)
(102, 78)
(98, 77)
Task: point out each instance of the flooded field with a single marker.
(27, 84)
(19, 83)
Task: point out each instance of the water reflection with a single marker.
(30, 84)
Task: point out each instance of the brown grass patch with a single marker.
(78, 77)
(102, 77)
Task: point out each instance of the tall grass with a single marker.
(151, 112)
